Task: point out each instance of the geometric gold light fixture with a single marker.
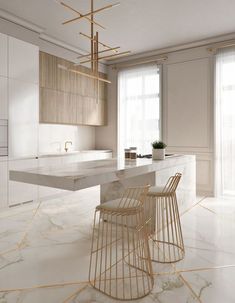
(96, 55)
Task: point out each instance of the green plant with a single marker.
(158, 145)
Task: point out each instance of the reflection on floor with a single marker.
(44, 254)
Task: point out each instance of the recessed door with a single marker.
(3, 98)
(3, 55)
(23, 119)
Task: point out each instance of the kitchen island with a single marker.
(114, 175)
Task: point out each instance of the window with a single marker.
(225, 122)
(139, 108)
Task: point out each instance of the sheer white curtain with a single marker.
(138, 108)
(225, 122)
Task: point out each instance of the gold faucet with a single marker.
(65, 145)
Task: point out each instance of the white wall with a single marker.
(187, 110)
(51, 137)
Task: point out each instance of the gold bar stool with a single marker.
(165, 231)
(120, 263)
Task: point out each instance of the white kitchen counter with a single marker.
(114, 175)
(51, 155)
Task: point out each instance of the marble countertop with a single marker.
(53, 154)
(80, 175)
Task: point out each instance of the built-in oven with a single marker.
(3, 137)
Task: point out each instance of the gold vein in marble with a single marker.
(22, 242)
(210, 210)
(204, 268)
(9, 250)
(15, 214)
(192, 270)
(190, 208)
(67, 300)
(186, 283)
(190, 287)
(43, 286)
(177, 272)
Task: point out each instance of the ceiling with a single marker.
(136, 25)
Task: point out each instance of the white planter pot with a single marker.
(158, 154)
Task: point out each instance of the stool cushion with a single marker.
(117, 204)
(156, 189)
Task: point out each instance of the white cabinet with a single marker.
(3, 184)
(22, 192)
(108, 155)
(3, 98)
(23, 61)
(19, 103)
(103, 155)
(23, 119)
(72, 158)
(23, 98)
(3, 55)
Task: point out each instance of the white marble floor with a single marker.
(44, 254)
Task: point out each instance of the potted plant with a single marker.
(158, 151)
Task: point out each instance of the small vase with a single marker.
(158, 154)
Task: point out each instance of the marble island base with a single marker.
(186, 191)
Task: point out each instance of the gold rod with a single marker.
(91, 13)
(97, 53)
(97, 65)
(110, 56)
(103, 51)
(102, 63)
(74, 10)
(124, 65)
(221, 45)
(83, 74)
(104, 45)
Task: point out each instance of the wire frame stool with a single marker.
(165, 233)
(120, 263)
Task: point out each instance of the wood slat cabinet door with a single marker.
(48, 106)
(47, 71)
(94, 112)
(70, 98)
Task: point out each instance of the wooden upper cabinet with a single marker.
(70, 98)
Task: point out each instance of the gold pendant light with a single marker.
(94, 57)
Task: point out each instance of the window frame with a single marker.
(160, 69)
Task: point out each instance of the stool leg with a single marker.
(120, 264)
(167, 242)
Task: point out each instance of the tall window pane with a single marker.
(139, 108)
(225, 122)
